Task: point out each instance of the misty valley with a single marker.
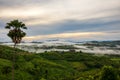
(95, 47)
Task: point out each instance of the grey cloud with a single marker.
(14, 3)
(92, 25)
(104, 19)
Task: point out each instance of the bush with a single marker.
(108, 73)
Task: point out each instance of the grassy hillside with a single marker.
(55, 65)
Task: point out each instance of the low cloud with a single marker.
(64, 35)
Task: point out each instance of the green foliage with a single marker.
(56, 65)
(23, 75)
(15, 33)
(5, 66)
(108, 73)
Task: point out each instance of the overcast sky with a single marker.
(79, 20)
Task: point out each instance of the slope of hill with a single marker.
(54, 65)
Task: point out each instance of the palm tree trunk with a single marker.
(13, 68)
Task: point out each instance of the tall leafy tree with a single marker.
(16, 33)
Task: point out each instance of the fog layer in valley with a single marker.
(88, 47)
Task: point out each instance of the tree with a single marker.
(16, 34)
(108, 73)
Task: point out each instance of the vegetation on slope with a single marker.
(57, 66)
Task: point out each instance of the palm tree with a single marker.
(16, 34)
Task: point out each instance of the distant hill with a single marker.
(104, 43)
